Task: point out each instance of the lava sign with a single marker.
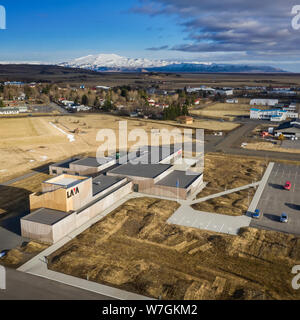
(72, 192)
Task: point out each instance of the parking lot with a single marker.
(275, 200)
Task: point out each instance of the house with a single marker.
(232, 101)
(185, 119)
(225, 92)
(197, 102)
(151, 102)
(273, 114)
(264, 102)
(22, 97)
(9, 110)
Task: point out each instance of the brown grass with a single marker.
(233, 204)
(20, 255)
(224, 172)
(134, 249)
(269, 146)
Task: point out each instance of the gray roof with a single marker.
(102, 182)
(184, 180)
(93, 162)
(141, 170)
(65, 163)
(46, 216)
(155, 154)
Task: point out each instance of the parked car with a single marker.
(284, 218)
(3, 253)
(256, 214)
(288, 185)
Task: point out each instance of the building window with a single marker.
(54, 171)
(65, 172)
(76, 174)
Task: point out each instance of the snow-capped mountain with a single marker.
(114, 62)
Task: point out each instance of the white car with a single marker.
(284, 218)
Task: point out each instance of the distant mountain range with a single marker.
(116, 63)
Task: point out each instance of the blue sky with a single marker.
(231, 31)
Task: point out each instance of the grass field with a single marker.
(27, 143)
(134, 249)
(224, 172)
(269, 146)
(233, 204)
(226, 111)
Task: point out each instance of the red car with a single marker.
(287, 185)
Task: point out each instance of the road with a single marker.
(231, 144)
(24, 286)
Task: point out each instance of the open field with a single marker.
(134, 249)
(226, 111)
(233, 204)
(43, 73)
(27, 143)
(224, 172)
(269, 146)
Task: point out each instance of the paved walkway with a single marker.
(260, 189)
(220, 194)
(188, 217)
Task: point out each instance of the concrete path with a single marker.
(188, 217)
(37, 265)
(220, 194)
(260, 189)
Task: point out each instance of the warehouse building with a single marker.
(288, 129)
(71, 198)
(264, 102)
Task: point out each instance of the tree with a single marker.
(2, 105)
(85, 100)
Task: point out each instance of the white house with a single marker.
(264, 102)
(225, 92)
(9, 111)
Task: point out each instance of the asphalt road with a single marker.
(275, 200)
(24, 286)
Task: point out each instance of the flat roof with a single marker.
(102, 182)
(141, 170)
(66, 180)
(93, 162)
(155, 154)
(184, 180)
(65, 163)
(46, 216)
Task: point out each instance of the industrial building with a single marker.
(84, 187)
(264, 102)
(273, 114)
(288, 129)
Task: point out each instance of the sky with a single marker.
(229, 31)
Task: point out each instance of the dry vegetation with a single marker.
(32, 142)
(228, 111)
(223, 172)
(134, 249)
(269, 146)
(233, 204)
(20, 255)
